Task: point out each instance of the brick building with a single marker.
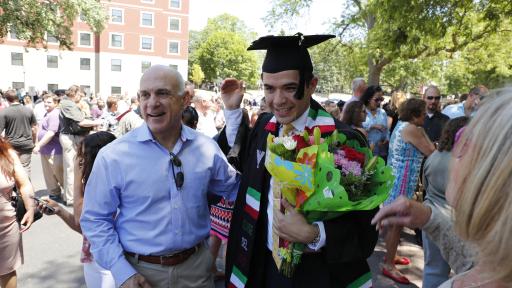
(138, 34)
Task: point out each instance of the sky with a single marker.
(314, 21)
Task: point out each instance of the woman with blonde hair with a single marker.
(479, 191)
(391, 108)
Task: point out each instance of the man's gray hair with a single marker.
(356, 83)
(432, 87)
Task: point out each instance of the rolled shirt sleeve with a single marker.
(97, 221)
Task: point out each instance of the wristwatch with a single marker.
(317, 238)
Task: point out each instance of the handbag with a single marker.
(19, 207)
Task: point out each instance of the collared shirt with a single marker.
(233, 119)
(456, 110)
(434, 124)
(380, 118)
(133, 178)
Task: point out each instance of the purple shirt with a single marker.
(50, 122)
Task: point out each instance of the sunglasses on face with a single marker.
(434, 97)
(378, 100)
(179, 178)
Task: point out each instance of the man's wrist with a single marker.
(315, 232)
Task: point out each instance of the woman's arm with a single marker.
(26, 190)
(60, 211)
(419, 139)
(78, 193)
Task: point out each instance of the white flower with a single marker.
(278, 140)
(289, 143)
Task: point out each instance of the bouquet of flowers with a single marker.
(322, 178)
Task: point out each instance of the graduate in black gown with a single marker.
(337, 249)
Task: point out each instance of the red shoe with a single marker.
(401, 261)
(400, 279)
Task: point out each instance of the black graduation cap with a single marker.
(288, 53)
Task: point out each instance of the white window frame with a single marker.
(170, 7)
(122, 16)
(57, 57)
(80, 63)
(169, 24)
(120, 90)
(110, 40)
(152, 19)
(85, 32)
(148, 1)
(9, 37)
(179, 47)
(120, 65)
(22, 59)
(54, 43)
(152, 43)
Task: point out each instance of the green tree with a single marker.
(220, 50)
(224, 54)
(196, 75)
(390, 30)
(32, 19)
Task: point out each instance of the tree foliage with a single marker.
(196, 74)
(391, 33)
(220, 50)
(32, 19)
(224, 54)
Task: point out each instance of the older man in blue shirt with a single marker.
(154, 180)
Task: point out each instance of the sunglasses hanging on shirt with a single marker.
(179, 178)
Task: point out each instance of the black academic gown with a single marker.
(350, 238)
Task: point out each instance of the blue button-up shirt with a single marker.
(456, 110)
(132, 178)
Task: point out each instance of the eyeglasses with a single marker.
(434, 97)
(378, 100)
(179, 178)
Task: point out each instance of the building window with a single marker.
(18, 85)
(12, 34)
(115, 90)
(81, 17)
(85, 39)
(148, 1)
(52, 61)
(173, 47)
(174, 24)
(51, 39)
(53, 87)
(175, 4)
(146, 43)
(116, 40)
(16, 59)
(174, 67)
(85, 63)
(116, 15)
(146, 19)
(115, 65)
(145, 66)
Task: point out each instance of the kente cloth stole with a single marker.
(239, 276)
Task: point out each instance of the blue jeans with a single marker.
(436, 270)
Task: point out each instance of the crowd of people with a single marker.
(157, 182)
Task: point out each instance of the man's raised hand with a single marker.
(232, 92)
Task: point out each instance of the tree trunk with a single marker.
(375, 69)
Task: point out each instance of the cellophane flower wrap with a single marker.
(322, 178)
